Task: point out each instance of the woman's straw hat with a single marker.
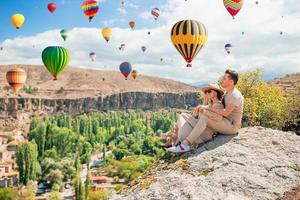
(213, 86)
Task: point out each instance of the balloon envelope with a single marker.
(18, 20)
(90, 8)
(125, 69)
(134, 74)
(156, 13)
(16, 78)
(144, 48)
(233, 6)
(55, 59)
(228, 48)
(64, 34)
(132, 24)
(189, 37)
(106, 33)
(51, 7)
(93, 56)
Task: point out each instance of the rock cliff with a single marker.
(14, 107)
(258, 163)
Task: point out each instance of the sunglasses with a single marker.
(208, 91)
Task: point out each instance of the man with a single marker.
(232, 114)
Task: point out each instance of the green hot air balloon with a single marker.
(55, 59)
(64, 34)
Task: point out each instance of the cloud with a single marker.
(261, 46)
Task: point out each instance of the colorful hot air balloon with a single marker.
(51, 7)
(144, 48)
(132, 24)
(228, 48)
(90, 8)
(55, 59)
(93, 56)
(106, 33)
(189, 37)
(134, 74)
(16, 78)
(18, 20)
(233, 6)
(125, 69)
(156, 13)
(64, 34)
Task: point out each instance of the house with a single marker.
(13, 145)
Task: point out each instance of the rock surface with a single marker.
(258, 163)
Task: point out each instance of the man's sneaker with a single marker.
(180, 148)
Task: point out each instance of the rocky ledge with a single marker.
(258, 163)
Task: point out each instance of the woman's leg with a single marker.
(185, 126)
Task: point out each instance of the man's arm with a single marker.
(224, 112)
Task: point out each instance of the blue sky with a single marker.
(69, 15)
(262, 46)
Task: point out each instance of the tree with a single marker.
(87, 180)
(8, 194)
(55, 195)
(264, 104)
(26, 158)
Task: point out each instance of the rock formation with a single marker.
(258, 163)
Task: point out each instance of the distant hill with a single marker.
(79, 82)
(289, 82)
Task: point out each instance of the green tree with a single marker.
(9, 194)
(264, 104)
(55, 195)
(26, 158)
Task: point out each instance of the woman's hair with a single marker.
(219, 95)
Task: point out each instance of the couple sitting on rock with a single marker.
(220, 113)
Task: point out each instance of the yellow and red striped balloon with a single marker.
(16, 78)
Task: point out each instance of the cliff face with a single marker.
(256, 164)
(14, 107)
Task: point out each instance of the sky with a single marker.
(261, 46)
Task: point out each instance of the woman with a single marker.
(186, 122)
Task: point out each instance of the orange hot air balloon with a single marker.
(132, 24)
(16, 78)
(134, 74)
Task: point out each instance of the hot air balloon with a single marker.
(122, 47)
(125, 69)
(18, 20)
(64, 34)
(143, 48)
(55, 59)
(16, 78)
(189, 37)
(233, 6)
(106, 33)
(90, 8)
(149, 33)
(122, 2)
(161, 59)
(132, 24)
(134, 74)
(228, 48)
(156, 13)
(93, 56)
(51, 7)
